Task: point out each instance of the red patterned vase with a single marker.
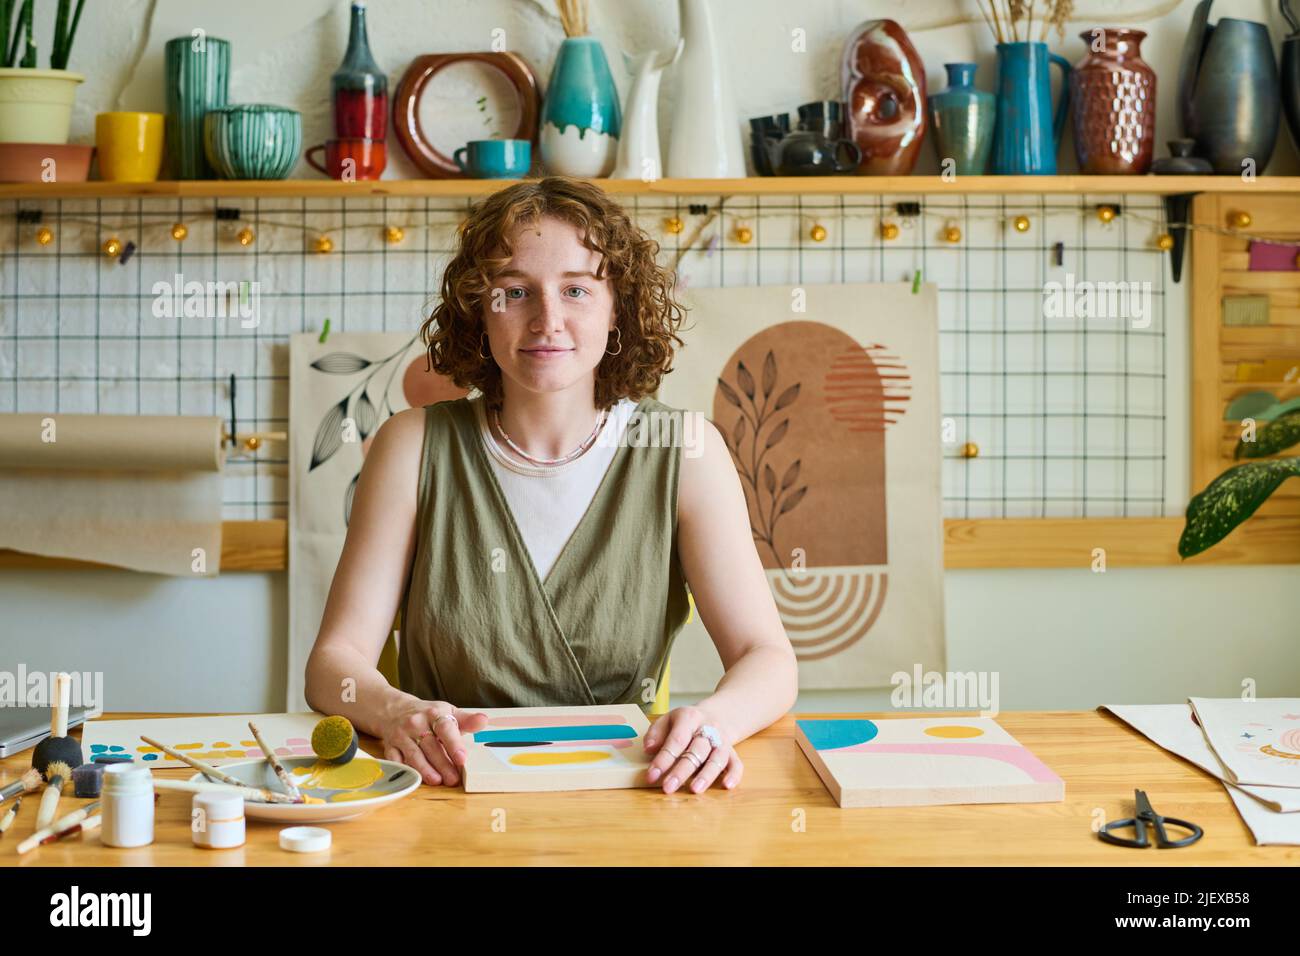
(1114, 94)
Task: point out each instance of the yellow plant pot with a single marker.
(36, 105)
(129, 146)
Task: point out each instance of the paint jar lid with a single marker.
(127, 778)
(305, 839)
(220, 807)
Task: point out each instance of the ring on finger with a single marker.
(694, 759)
(441, 717)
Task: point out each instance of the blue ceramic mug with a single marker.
(495, 158)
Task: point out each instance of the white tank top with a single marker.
(547, 502)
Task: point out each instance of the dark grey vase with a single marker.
(1228, 91)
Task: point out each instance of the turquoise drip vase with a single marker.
(581, 118)
(1028, 131)
(962, 120)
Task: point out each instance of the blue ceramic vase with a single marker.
(1028, 131)
(197, 77)
(581, 118)
(962, 119)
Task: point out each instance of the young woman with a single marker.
(540, 551)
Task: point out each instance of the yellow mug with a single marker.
(129, 146)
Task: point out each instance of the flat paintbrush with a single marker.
(60, 827)
(27, 783)
(254, 794)
(207, 769)
(8, 820)
(275, 763)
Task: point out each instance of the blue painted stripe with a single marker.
(555, 734)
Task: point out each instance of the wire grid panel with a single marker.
(1067, 411)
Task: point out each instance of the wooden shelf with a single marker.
(968, 544)
(750, 186)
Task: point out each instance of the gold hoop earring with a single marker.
(619, 333)
(482, 337)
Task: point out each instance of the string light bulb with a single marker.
(44, 236)
(817, 233)
(180, 231)
(112, 247)
(744, 235)
(674, 225)
(1106, 213)
(1021, 223)
(970, 450)
(323, 244)
(1164, 242)
(245, 236)
(394, 234)
(1239, 219)
(951, 233)
(889, 231)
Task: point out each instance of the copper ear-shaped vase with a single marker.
(883, 79)
(406, 106)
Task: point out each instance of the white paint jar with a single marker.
(126, 802)
(217, 820)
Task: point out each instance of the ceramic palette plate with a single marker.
(340, 793)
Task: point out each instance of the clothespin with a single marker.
(916, 282)
(1058, 252)
(325, 331)
(127, 251)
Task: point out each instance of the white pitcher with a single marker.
(638, 147)
(706, 132)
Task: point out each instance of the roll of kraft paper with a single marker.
(136, 491)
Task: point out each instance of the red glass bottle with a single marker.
(359, 88)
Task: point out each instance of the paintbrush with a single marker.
(206, 769)
(29, 781)
(84, 826)
(255, 794)
(8, 820)
(274, 762)
(57, 773)
(66, 823)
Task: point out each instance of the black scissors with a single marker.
(1146, 814)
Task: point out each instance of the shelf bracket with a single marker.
(1177, 207)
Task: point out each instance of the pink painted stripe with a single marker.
(1008, 753)
(625, 742)
(562, 720)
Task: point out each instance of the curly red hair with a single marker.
(647, 315)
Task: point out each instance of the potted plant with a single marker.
(36, 104)
(1237, 493)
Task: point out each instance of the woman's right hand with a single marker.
(426, 735)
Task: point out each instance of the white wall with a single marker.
(1060, 639)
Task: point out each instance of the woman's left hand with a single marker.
(683, 753)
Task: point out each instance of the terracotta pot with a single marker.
(1114, 93)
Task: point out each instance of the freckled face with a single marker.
(547, 317)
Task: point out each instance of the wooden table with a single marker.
(780, 815)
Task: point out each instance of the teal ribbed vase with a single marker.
(197, 78)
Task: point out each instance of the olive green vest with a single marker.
(481, 629)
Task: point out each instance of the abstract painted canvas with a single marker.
(530, 749)
(911, 762)
(828, 399)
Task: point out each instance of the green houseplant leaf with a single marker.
(1276, 436)
(1229, 500)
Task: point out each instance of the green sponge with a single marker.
(335, 740)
